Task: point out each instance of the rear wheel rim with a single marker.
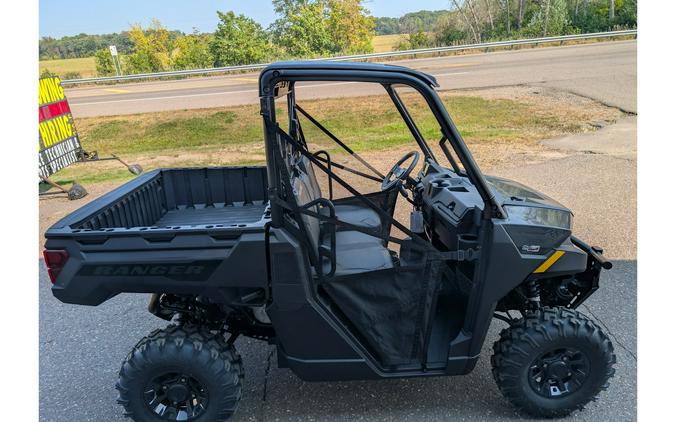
(174, 396)
(559, 373)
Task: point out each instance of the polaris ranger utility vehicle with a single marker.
(343, 289)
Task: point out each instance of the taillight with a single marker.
(55, 260)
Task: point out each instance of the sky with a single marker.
(71, 17)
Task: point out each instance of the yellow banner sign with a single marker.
(58, 143)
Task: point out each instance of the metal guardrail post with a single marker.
(389, 54)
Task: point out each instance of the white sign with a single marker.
(113, 50)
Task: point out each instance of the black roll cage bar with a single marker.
(409, 122)
(373, 73)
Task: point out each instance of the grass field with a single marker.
(86, 66)
(384, 43)
(493, 127)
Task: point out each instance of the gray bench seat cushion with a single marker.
(361, 216)
(357, 252)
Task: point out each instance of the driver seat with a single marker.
(357, 215)
(355, 252)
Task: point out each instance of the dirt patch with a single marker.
(572, 107)
(54, 208)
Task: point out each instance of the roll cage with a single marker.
(279, 79)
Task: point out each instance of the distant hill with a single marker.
(423, 20)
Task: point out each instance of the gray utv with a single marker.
(340, 287)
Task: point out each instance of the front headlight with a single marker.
(536, 230)
(540, 216)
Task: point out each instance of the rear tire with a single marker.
(552, 362)
(181, 373)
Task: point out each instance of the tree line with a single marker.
(85, 45)
(410, 22)
(475, 21)
(315, 28)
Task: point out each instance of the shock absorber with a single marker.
(532, 294)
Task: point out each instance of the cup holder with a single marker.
(440, 183)
(467, 241)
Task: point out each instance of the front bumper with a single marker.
(590, 278)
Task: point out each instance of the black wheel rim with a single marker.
(176, 397)
(559, 373)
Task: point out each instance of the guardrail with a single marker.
(357, 57)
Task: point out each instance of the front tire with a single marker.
(552, 362)
(181, 373)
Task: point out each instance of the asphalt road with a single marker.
(81, 348)
(605, 69)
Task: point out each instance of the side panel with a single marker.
(504, 268)
(185, 263)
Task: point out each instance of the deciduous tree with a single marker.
(104, 63)
(549, 19)
(448, 31)
(151, 49)
(351, 26)
(239, 40)
(307, 28)
(192, 52)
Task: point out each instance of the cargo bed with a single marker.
(170, 230)
(177, 198)
(232, 214)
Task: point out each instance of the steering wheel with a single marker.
(400, 174)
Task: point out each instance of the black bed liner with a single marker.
(233, 214)
(175, 199)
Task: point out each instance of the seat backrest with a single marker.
(304, 165)
(304, 194)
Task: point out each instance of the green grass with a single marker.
(153, 132)
(368, 124)
(233, 135)
(373, 123)
(87, 174)
(130, 135)
(86, 66)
